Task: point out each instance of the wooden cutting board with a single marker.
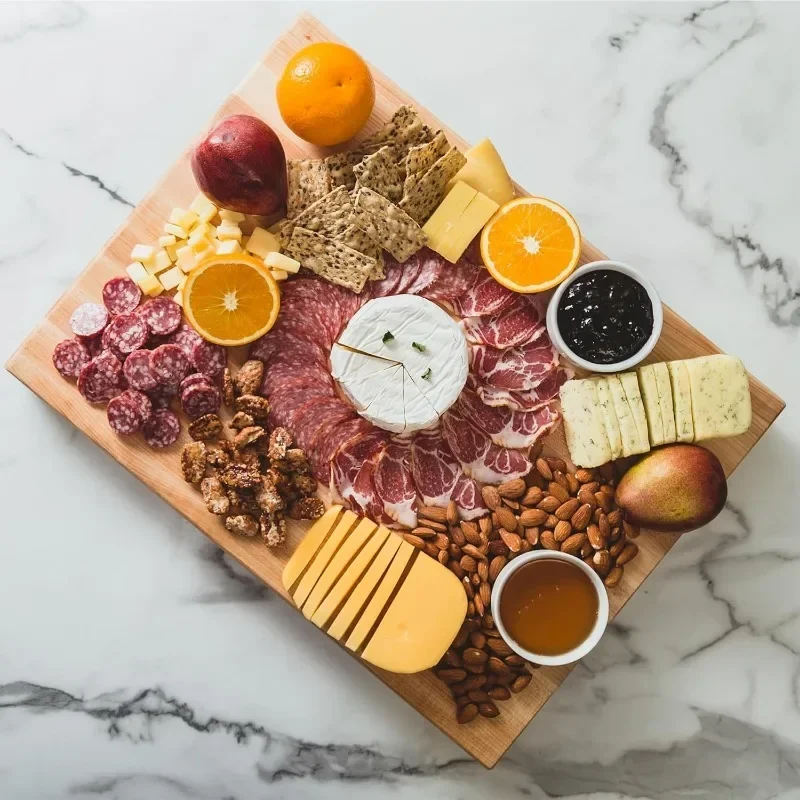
(484, 739)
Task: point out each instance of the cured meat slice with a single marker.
(162, 429)
(454, 281)
(200, 399)
(289, 403)
(387, 285)
(288, 340)
(162, 395)
(209, 358)
(137, 371)
(485, 296)
(517, 368)
(351, 457)
(124, 334)
(364, 496)
(128, 412)
(434, 468)
(101, 379)
(319, 304)
(162, 315)
(325, 451)
(121, 295)
(529, 400)
(294, 374)
(431, 267)
(195, 379)
(505, 427)
(169, 363)
(318, 419)
(89, 319)
(467, 496)
(409, 271)
(333, 418)
(479, 458)
(94, 344)
(186, 337)
(70, 357)
(518, 325)
(395, 484)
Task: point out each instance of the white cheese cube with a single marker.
(583, 424)
(681, 400)
(665, 401)
(175, 230)
(262, 242)
(171, 278)
(204, 208)
(172, 250)
(630, 384)
(279, 274)
(136, 271)
(228, 248)
(203, 230)
(165, 241)
(183, 218)
(143, 253)
(226, 232)
(631, 442)
(186, 259)
(200, 246)
(231, 216)
(609, 417)
(720, 397)
(178, 298)
(652, 406)
(280, 261)
(161, 261)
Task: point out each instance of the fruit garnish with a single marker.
(231, 300)
(326, 93)
(531, 244)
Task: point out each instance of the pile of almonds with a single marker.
(550, 509)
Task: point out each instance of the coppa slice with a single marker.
(631, 442)
(309, 546)
(665, 401)
(606, 402)
(652, 405)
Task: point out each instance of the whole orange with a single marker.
(326, 93)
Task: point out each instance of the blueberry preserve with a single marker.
(605, 317)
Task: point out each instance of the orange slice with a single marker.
(531, 244)
(231, 300)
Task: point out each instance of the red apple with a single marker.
(240, 165)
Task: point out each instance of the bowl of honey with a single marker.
(550, 607)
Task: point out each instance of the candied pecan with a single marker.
(298, 460)
(307, 508)
(304, 484)
(257, 407)
(243, 524)
(193, 462)
(277, 478)
(280, 440)
(241, 420)
(248, 436)
(240, 476)
(206, 427)
(248, 378)
(242, 500)
(250, 458)
(219, 454)
(214, 496)
(227, 388)
(268, 497)
(273, 529)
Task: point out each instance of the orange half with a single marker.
(531, 244)
(231, 300)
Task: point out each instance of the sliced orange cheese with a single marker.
(353, 542)
(351, 578)
(382, 594)
(309, 546)
(421, 621)
(345, 619)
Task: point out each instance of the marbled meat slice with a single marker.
(454, 281)
(89, 319)
(364, 496)
(185, 336)
(208, 358)
(162, 429)
(395, 484)
(137, 371)
(468, 498)
(319, 303)
(128, 412)
(162, 315)
(431, 267)
(485, 296)
(479, 458)
(101, 379)
(518, 325)
(162, 395)
(324, 453)
(344, 413)
(349, 460)
(434, 468)
(393, 273)
(121, 295)
(199, 400)
(505, 427)
(409, 271)
(289, 403)
(124, 334)
(195, 379)
(294, 373)
(317, 419)
(70, 357)
(169, 363)
(517, 369)
(528, 400)
(289, 339)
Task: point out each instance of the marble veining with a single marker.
(138, 660)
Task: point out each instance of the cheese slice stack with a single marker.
(374, 593)
(680, 401)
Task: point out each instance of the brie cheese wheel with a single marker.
(419, 337)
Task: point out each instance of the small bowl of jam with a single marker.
(606, 317)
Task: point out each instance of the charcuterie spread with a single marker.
(384, 338)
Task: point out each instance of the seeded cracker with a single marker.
(421, 158)
(388, 225)
(405, 129)
(360, 240)
(309, 180)
(340, 166)
(382, 173)
(421, 201)
(329, 215)
(331, 260)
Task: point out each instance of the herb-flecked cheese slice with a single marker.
(633, 394)
(652, 406)
(665, 401)
(631, 442)
(681, 400)
(720, 396)
(584, 427)
(609, 417)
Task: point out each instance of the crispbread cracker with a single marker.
(387, 224)
(329, 215)
(421, 200)
(382, 173)
(340, 166)
(330, 259)
(360, 240)
(421, 158)
(309, 179)
(405, 128)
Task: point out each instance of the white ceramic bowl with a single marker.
(602, 608)
(620, 366)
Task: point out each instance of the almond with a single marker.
(474, 655)
(616, 534)
(549, 504)
(452, 658)
(572, 483)
(532, 536)
(451, 675)
(543, 468)
(443, 557)
(457, 535)
(629, 552)
(499, 693)
(455, 551)
(470, 592)
(467, 713)
(511, 540)
(615, 517)
(558, 491)
(519, 683)
(477, 639)
(491, 497)
(495, 665)
(441, 541)
(514, 660)
(433, 513)
(470, 532)
(596, 539)
(471, 550)
(613, 577)
(631, 531)
(561, 479)
(551, 521)
(431, 549)
(581, 518)
(499, 647)
(556, 464)
(602, 523)
(586, 496)
(603, 500)
(532, 496)
(601, 561)
(471, 613)
(562, 530)
(488, 710)
(573, 544)
(512, 489)
(468, 564)
(512, 504)
(485, 593)
(485, 524)
(451, 513)
(617, 547)
(480, 608)
(424, 533)
(532, 516)
(566, 510)
(584, 475)
(483, 570)
(586, 549)
(607, 489)
(506, 518)
(414, 541)
(455, 567)
(548, 541)
(439, 527)
(478, 696)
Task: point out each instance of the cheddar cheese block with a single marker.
(486, 172)
(309, 546)
(652, 405)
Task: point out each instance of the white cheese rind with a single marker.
(609, 417)
(681, 400)
(630, 383)
(652, 406)
(631, 442)
(665, 401)
(386, 408)
(583, 424)
(419, 413)
(362, 378)
(720, 397)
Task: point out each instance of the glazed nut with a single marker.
(214, 496)
(257, 407)
(248, 378)
(243, 524)
(248, 436)
(193, 462)
(206, 427)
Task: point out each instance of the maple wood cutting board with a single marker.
(485, 739)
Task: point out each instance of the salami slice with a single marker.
(128, 412)
(162, 395)
(162, 429)
(169, 364)
(88, 319)
(195, 379)
(101, 378)
(162, 315)
(137, 371)
(70, 357)
(185, 337)
(94, 344)
(209, 358)
(125, 333)
(198, 400)
(121, 295)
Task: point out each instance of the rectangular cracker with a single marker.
(340, 166)
(330, 259)
(381, 172)
(421, 200)
(329, 215)
(309, 180)
(421, 158)
(388, 225)
(405, 128)
(360, 240)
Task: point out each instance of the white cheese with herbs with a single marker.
(630, 384)
(681, 400)
(632, 443)
(720, 396)
(652, 406)
(665, 401)
(613, 432)
(584, 426)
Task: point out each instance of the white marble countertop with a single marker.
(136, 661)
